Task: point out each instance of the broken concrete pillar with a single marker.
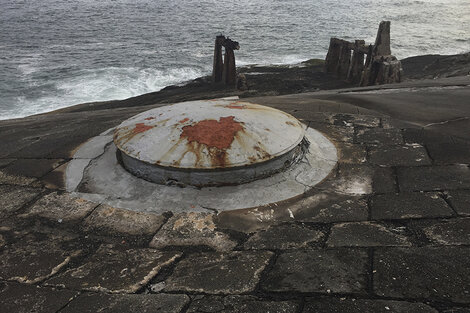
(382, 70)
(344, 60)
(218, 66)
(357, 62)
(382, 41)
(230, 70)
(332, 57)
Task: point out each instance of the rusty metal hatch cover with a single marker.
(207, 135)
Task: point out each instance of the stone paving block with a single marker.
(383, 180)
(409, 205)
(327, 208)
(379, 136)
(219, 273)
(31, 261)
(355, 120)
(111, 220)
(115, 270)
(352, 153)
(2, 241)
(151, 303)
(335, 133)
(428, 178)
(448, 232)
(340, 305)
(6, 178)
(353, 179)
(403, 155)
(366, 234)
(460, 201)
(60, 207)
(192, 229)
(13, 198)
(17, 298)
(5, 162)
(324, 271)
(424, 137)
(284, 237)
(240, 304)
(438, 273)
(450, 152)
(32, 167)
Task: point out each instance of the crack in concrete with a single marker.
(448, 121)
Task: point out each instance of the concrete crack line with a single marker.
(448, 121)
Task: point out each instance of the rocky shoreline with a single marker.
(274, 80)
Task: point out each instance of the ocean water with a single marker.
(57, 53)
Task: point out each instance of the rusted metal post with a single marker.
(230, 70)
(218, 66)
(357, 62)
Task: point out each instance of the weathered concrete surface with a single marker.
(322, 271)
(217, 273)
(115, 270)
(106, 219)
(60, 207)
(161, 303)
(289, 272)
(440, 273)
(192, 229)
(16, 298)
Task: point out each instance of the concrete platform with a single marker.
(386, 231)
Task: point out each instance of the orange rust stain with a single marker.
(184, 120)
(149, 118)
(141, 127)
(212, 133)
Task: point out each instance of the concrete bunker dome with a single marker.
(210, 143)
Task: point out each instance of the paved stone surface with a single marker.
(320, 208)
(383, 180)
(460, 201)
(409, 205)
(13, 197)
(429, 272)
(366, 234)
(2, 241)
(115, 270)
(430, 178)
(448, 232)
(219, 273)
(353, 179)
(352, 153)
(192, 229)
(450, 153)
(335, 133)
(161, 303)
(5, 162)
(17, 298)
(457, 310)
(403, 155)
(283, 237)
(379, 135)
(32, 167)
(31, 262)
(325, 271)
(240, 304)
(60, 207)
(111, 220)
(355, 120)
(339, 305)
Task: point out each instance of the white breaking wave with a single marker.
(104, 84)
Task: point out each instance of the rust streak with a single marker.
(149, 118)
(141, 127)
(184, 120)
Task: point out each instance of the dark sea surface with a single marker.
(55, 54)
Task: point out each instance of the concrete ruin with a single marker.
(346, 60)
(225, 71)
